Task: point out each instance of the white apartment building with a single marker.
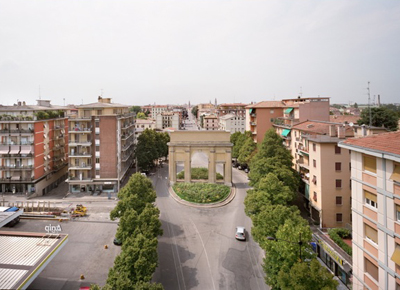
(232, 123)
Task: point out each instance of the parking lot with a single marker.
(84, 254)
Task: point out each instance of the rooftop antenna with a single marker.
(369, 107)
(301, 92)
(39, 93)
(64, 101)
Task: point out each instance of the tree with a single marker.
(146, 151)
(162, 139)
(148, 286)
(134, 195)
(137, 262)
(380, 117)
(141, 115)
(306, 276)
(285, 251)
(238, 140)
(195, 109)
(246, 151)
(271, 188)
(135, 109)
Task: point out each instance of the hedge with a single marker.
(201, 192)
(198, 173)
(337, 235)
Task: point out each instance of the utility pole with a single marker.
(369, 106)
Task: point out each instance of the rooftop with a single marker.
(268, 104)
(385, 142)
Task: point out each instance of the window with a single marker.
(97, 160)
(271, 111)
(338, 183)
(396, 172)
(369, 163)
(371, 269)
(315, 196)
(398, 212)
(337, 149)
(371, 234)
(99, 112)
(338, 166)
(338, 200)
(314, 180)
(314, 147)
(314, 163)
(339, 217)
(370, 199)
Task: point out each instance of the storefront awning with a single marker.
(288, 110)
(396, 256)
(286, 132)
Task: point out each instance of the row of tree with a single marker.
(385, 116)
(139, 227)
(151, 146)
(278, 227)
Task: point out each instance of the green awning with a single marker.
(286, 132)
(288, 110)
(251, 111)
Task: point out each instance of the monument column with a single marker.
(211, 166)
(188, 158)
(228, 168)
(172, 165)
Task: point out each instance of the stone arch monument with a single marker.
(216, 144)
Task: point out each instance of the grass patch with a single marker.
(337, 235)
(201, 192)
(198, 173)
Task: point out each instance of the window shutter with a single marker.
(371, 233)
(396, 173)
(369, 163)
(370, 196)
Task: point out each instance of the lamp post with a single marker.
(300, 242)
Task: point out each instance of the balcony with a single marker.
(253, 124)
(80, 143)
(79, 118)
(253, 115)
(12, 179)
(126, 135)
(77, 130)
(80, 154)
(82, 166)
(17, 143)
(126, 146)
(77, 179)
(16, 167)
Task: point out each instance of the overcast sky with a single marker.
(149, 51)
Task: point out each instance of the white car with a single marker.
(240, 233)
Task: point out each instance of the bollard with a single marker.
(105, 247)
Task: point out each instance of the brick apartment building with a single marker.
(33, 147)
(101, 146)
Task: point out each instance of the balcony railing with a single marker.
(17, 143)
(14, 130)
(81, 167)
(81, 154)
(74, 178)
(15, 178)
(77, 143)
(80, 130)
(16, 166)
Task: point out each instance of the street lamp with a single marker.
(300, 242)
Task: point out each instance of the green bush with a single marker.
(337, 235)
(201, 192)
(198, 173)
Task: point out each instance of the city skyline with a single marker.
(146, 52)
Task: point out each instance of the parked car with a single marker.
(117, 242)
(240, 233)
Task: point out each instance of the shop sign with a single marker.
(53, 229)
(330, 252)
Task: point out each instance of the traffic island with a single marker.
(202, 194)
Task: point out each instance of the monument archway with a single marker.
(215, 144)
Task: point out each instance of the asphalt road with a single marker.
(198, 249)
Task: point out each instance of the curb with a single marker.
(227, 200)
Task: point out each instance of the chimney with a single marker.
(332, 130)
(341, 132)
(23, 103)
(379, 100)
(99, 99)
(19, 103)
(363, 130)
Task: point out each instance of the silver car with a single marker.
(240, 233)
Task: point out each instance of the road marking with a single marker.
(205, 252)
(177, 264)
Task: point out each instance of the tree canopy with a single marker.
(380, 117)
(135, 109)
(151, 146)
(141, 115)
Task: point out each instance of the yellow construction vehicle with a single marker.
(80, 210)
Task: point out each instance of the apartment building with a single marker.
(261, 117)
(375, 177)
(168, 120)
(210, 122)
(237, 109)
(232, 123)
(33, 147)
(154, 110)
(101, 146)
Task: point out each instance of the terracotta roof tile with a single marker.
(385, 142)
(268, 104)
(344, 118)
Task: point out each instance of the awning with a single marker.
(286, 132)
(288, 110)
(15, 178)
(4, 150)
(250, 111)
(26, 150)
(14, 150)
(396, 256)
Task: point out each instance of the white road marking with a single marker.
(205, 252)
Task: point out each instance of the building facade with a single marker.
(232, 123)
(237, 109)
(168, 120)
(210, 123)
(101, 146)
(33, 147)
(375, 177)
